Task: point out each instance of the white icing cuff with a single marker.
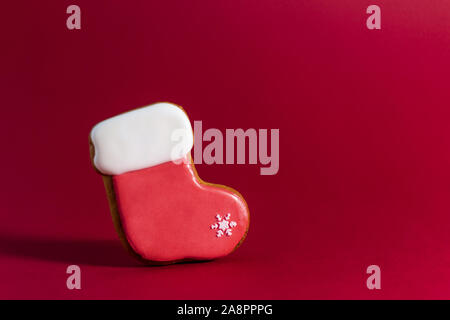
(141, 138)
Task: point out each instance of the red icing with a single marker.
(167, 214)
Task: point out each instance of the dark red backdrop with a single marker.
(364, 143)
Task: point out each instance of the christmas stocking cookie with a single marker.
(162, 211)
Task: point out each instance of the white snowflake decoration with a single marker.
(223, 225)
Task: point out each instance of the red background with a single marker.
(364, 143)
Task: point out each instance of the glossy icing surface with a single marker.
(141, 138)
(168, 215)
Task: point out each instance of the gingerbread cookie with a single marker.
(162, 210)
